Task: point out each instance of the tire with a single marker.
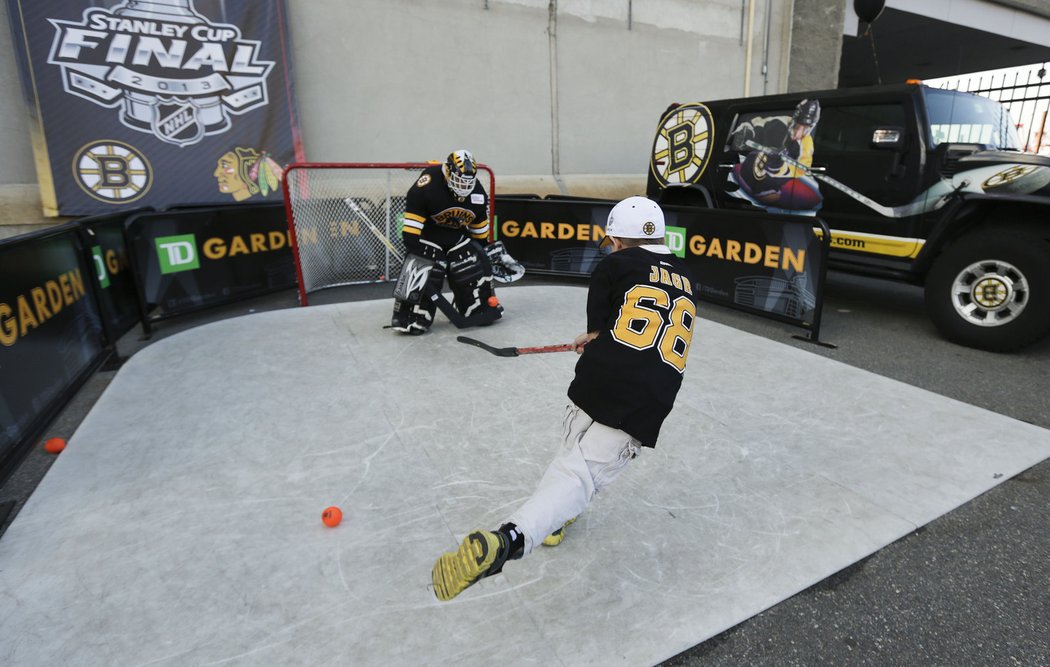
(991, 290)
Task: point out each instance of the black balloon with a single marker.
(868, 10)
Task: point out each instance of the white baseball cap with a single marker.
(635, 218)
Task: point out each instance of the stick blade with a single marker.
(498, 351)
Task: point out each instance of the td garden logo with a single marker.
(170, 71)
(181, 252)
(177, 253)
(674, 237)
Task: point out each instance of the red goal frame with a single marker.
(290, 212)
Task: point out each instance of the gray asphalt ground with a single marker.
(970, 588)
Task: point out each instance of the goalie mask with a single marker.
(460, 172)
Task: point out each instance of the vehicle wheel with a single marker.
(991, 290)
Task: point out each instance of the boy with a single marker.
(640, 315)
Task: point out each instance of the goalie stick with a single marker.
(453, 315)
(514, 351)
(375, 230)
(478, 319)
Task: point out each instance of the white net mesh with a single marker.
(346, 220)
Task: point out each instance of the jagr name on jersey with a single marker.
(658, 274)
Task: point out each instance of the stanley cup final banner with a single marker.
(153, 104)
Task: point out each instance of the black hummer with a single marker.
(917, 184)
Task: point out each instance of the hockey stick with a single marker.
(478, 319)
(888, 211)
(375, 230)
(514, 351)
(459, 321)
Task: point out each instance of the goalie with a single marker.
(446, 222)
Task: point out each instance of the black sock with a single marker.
(515, 538)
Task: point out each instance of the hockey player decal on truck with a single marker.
(774, 172)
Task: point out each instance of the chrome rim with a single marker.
(990, 293)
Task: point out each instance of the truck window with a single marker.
(842, 144)
(970, 119)
(850, 128)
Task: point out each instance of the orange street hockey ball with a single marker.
(493, 302)
(54, 445)
(332, 516)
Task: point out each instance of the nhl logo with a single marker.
(176, 122)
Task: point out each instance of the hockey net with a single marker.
(344, 220)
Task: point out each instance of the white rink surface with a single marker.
(181, 526)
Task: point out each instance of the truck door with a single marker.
(870, 156)
(852, 164)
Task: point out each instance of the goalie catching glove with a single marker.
(505, 269)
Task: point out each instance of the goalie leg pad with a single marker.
(407, 320)
(415, 273)
(415, 317)
(470, 275)
(467, 262)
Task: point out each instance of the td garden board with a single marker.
(770, 264)
(152, 104)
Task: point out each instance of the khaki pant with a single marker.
(590, 458)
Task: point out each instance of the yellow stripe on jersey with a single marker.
(479, 229)
(412, 225)
(414, 217)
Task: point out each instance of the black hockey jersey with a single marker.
(434, 213)
(641, 303)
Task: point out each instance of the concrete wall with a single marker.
(557, 95)
(816, 45)
(576, 91)
(19, 196)
(1037, 7)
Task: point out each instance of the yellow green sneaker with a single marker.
(555, 538)
(480, 554)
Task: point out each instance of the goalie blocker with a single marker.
(469, 270)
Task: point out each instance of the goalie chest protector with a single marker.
(641, 303)
(446, 218)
